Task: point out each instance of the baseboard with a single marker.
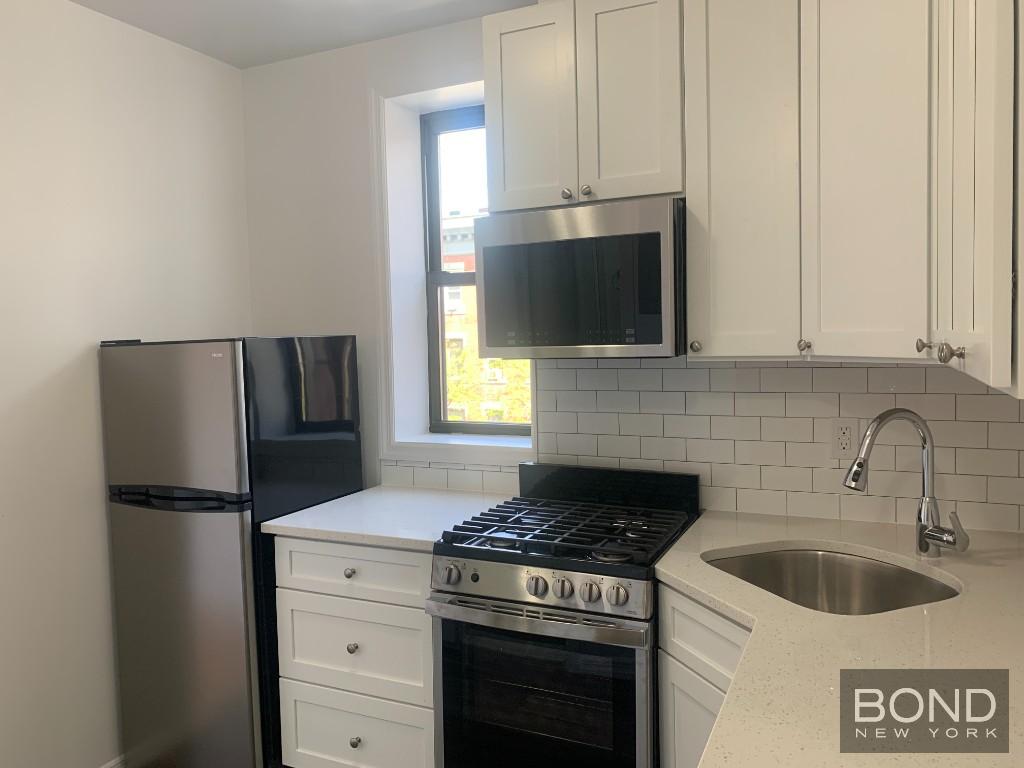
(117, 762)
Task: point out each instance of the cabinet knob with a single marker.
(350, 572)
(586, 191)
(696, 346)
(921, 345)
(355, 741)
(803, 345)
(947, 352)
(352, 647)
(566, 193)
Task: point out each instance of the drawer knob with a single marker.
(355, 741)
(350, 572)
(696, 346)
(352, 647)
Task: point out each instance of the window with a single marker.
(467, 394)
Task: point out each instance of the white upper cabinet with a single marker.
(629, 84)
(620, 62)
(530, 106)
(867, 169)
(972, 272)
(743, 176)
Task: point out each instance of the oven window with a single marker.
(598, 290)
(514, 700)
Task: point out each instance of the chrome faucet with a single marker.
(930, 533)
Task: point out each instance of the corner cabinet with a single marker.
(583, 102)
(849, 179)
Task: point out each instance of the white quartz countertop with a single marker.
(384, 516)
(782, 708)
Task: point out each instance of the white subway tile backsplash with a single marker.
(687, 380)
(687, 426)
(796, 430)
(840, 379)
(395, 475)
(577, 401)
(987, 408)
(812, 405)
(894, 380)
(556, 378)
(987, 461)
(642, 380)
(759, 452)
(618, 446)
(710, 403)
(713, 451)
(424, 477)
(735, 476)
(671, 448)
(465, 480)
(577, 445)
(597, 379)
(762, 404)
(645, 424)
(663, 402)
(577, 362)
(504, 483)
(599, 423)
(616, 362)
(736, 427)
(618, 402)
(770, 450)
(786, 380)
(735, 380)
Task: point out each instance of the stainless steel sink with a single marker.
(834, 582)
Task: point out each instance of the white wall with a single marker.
(122, 213)
(310, 133)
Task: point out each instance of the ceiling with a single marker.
(247, 33)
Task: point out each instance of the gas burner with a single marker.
(610, 557)
(500, 543)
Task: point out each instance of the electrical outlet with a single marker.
(845, 438)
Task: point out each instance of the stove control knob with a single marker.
(590, 592)
(562, 589)
(536, 586)
(451, 575)
(618, 595)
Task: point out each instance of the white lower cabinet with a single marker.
(699, 651)
(381, 650)
(323, 727)
(355, 649)
(689, 706)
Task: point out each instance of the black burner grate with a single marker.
(578, 530)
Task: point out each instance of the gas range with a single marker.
(578, 539)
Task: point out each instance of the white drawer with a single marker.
(318, 726)
(705, 641)
(347, 570)
(380, 650)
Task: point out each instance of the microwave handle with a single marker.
(624, 634)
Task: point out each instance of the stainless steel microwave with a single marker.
(601, 280)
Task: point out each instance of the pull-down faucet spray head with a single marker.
(857, 474)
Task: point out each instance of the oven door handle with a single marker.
(624, 634)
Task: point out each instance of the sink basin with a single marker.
(835, 582)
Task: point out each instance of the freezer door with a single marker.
(173, 415)
(185, 659)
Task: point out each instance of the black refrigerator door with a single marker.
(302, 410)
(302, 413)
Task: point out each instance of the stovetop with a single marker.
(581, 519)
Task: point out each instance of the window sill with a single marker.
(497, 450)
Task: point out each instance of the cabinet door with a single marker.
(689, 705)
(530, 106)
(629, 80)
(867, 165)
(743, 176)
(325, 728)
(972, 277)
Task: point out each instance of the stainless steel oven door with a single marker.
(519, 685)
(601, 280)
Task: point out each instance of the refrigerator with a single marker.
(203, 441)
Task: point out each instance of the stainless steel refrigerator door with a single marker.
(183, 637)
(174, 415)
